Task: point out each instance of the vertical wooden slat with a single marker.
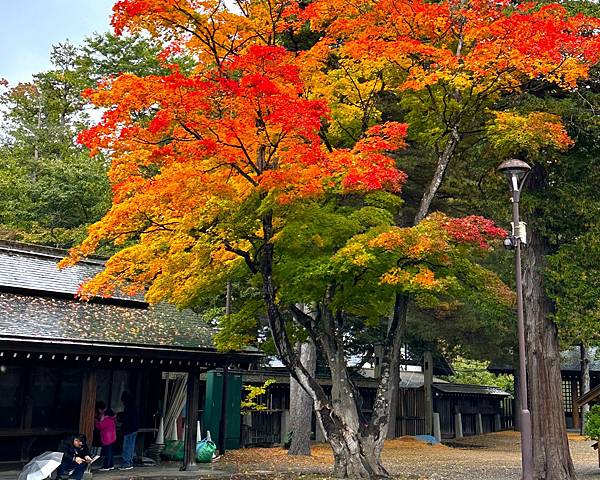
(224, 413)
(88, 404)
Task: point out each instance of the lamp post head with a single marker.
(516, 171)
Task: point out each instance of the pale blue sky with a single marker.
(28, 29)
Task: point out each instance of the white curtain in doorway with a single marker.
(175, 404)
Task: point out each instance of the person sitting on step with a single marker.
(76, 457)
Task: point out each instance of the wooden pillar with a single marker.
(479, 424)
(223, 422)
(427, 390)
(88, 404)
(191, 419)
(285, 422)
(402, 399)
(458, 430)
(437, 429)
(497, 422)
(574, 408)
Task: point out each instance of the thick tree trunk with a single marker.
(356, 444)
(552, 458)
(585, 381)
(356, 449)
(355, 456)
(301, 403)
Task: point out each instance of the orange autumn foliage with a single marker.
(189, 150)
(456, 57)
(478, 44)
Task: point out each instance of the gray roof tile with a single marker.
(31, 267)
(33, 304)
(570, 362)
(470, 389)
(56, 318)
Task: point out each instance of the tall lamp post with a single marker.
(516, 172)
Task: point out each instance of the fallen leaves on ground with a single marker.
(494, 456)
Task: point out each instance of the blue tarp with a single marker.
(430, 439)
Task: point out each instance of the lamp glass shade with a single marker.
(515, 171)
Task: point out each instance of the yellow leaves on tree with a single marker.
(252, 400)
(422, 258)
(512, 133)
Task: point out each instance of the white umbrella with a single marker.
(41, 467)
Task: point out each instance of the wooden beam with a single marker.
(88, 404)
(589, 396)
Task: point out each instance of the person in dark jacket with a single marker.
(130, 426)
(76, 456)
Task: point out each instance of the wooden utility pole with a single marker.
(428, 391)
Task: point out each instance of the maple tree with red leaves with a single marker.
(233, 171)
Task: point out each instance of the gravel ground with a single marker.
(486, 457)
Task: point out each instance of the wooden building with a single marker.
(571, 370)
(59, 355)
(463, 410)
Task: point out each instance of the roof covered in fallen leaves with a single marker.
(56, 318)
(38, 300)
(461, 389)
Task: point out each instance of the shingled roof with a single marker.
(463, 389)
(570, 362)
(34, 268)
(38, 300)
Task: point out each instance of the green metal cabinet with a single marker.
(211, 416)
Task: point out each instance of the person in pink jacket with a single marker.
(106, 424)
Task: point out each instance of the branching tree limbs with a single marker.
(257, 182)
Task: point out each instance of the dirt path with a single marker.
(495, 456)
